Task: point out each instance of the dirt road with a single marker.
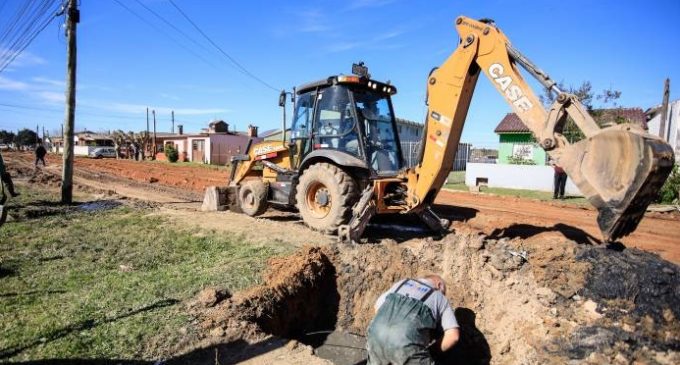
(496, 216)
(503, 216)
(554, 294)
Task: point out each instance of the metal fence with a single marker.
(410, 151)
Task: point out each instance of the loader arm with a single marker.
(619, 169)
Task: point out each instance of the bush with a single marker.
(669, 193)
(171, 153)
(514, 160)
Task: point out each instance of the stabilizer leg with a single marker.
(433, 221)
(362, 213)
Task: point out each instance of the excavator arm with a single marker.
(619, 169)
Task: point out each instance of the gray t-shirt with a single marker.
(437, 302)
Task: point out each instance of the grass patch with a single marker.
(191, 164)
(532, 194)
(456, 181)
(108, 284)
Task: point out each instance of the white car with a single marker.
(102, 152)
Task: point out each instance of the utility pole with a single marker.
(664, 109)
(173, 121)
(154, 133)
(146, 141)
(72, 19)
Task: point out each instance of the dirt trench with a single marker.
(516, 303)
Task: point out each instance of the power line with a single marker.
(22, 29)
(233, 61)
(27, 32)
(15, 20)
(51, 110)
(144, 20)
(172, 26)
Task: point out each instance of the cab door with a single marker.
(301, 130)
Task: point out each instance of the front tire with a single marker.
(252, 197)
(325, 197)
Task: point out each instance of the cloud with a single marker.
(168, 96)
(8, 84)
(49, 82)
(23, 59)
(137, 108)
(51, 97)
(312, 21)
(344, 46)
(361, 4)
(376, 42)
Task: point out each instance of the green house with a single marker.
(517, 145)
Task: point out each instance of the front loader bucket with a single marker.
(620, 170)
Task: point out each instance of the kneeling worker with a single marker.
(406, 317)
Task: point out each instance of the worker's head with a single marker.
(438, 282)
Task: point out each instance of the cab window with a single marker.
(336, 123)
(303, 116)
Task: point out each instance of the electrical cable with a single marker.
(164, 33)
(233, 61)
(26, 33)
(172, 26)
(29, 40)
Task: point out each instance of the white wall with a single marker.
(516, 177)
(672, 121)
(82, 150)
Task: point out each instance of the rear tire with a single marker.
(252, 197)
(325, 197)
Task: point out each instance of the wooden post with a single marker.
(146, 141)
(73, 17)
(664, 110)
(153, 112)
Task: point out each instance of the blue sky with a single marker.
(125, 65)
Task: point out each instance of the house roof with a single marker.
(512, 124)
(408, 122)
(656, 109)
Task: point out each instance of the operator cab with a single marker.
(350, 115)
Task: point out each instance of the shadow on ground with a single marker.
(524, 231)
(410, 226)
(224, 354)
(31, 293)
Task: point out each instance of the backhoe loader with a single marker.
(342, 163)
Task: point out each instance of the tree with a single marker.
(143, 138)
(670, 191)
(584, 93)
(26, 137)
(171, 153)
(6, 137)
(119, 139)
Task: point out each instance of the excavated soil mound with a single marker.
(299, 296)
(518, 301)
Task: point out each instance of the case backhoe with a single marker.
(343, 164)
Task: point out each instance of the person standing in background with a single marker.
(40, 153)
(560, 181)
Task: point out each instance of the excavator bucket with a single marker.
(620, 170)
